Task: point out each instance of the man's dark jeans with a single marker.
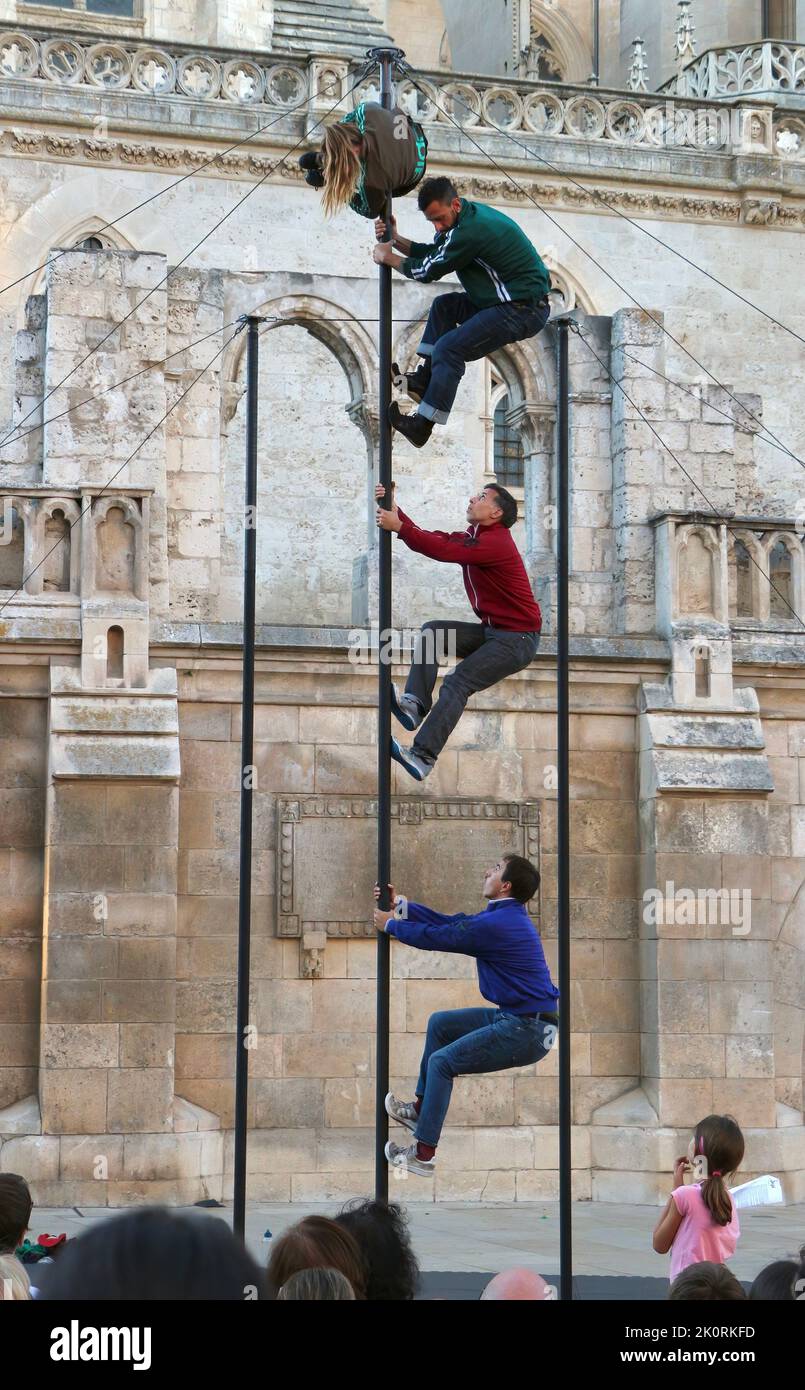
(490, 654)
(466, 1042)
(457, 333)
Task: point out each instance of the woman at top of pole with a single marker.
(370, 153)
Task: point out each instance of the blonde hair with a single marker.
(342, 167)
(14, 1281)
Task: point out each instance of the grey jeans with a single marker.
(489, 654)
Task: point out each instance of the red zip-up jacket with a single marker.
(494, 574)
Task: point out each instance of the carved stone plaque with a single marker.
(327, 856)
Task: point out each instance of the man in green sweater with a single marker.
(505, 297)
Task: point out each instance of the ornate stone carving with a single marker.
(461, 102)
(317, 891)
(198, 76)
(540, 61)
(27, 141)
(19, 56)
(729, 72)
(108, 65)
(153, 71)
(243, 82)
(762, 211)
(419, 100)
(625, 122)
(285, 86)
(483, 103)
(63, 61)
(638, 72)
(503, 107)
(585, 117)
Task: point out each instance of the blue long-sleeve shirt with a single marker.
(512, 970)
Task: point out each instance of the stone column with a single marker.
(110, 925)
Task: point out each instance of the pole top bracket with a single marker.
(395, 56)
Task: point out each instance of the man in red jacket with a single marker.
(504, 640)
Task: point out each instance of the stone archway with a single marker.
(309, 466)
(569, 51)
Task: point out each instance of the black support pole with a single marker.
(563, 808)
(246, 780)
(386, 58)
(596, 43)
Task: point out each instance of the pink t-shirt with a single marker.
(700, 1237)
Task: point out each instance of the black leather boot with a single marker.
(415, 383)
(415, 428)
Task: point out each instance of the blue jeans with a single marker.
(457, 333)
(465, 1042)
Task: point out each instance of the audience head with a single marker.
(317, 1286)
(718, 1146)
(781, 1281)
(381, 1232)
(14, 1282)
(316, 1243)
(706, 1282)
(15, 1211)
(156, 1255)
(517, 1285)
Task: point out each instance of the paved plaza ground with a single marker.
(610, 1242)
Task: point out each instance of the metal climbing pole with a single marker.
(252, 323)
(386, 58)
(563, 800)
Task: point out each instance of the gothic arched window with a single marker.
(780, 604)
(509, 462)
(743, 582)
(542, 64)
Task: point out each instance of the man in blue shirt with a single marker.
(512, 974)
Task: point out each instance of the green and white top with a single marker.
(395, 159)
(491, 255)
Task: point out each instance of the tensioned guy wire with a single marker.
(172, 271)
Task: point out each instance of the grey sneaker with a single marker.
(405, 1158)
(406, 709)
(417, 767)
(403, 1111)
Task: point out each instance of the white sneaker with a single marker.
(403, 1111)
(405, 1158)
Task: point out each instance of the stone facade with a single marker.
(121, 477)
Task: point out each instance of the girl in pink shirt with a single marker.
(700, 1221)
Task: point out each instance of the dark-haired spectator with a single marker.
(317, 1286)
(380, 1231)
(316, 1242)
(155, 1255)
(706, 1282)
(16, 1205)
(518, 1285)
(781, 1281)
